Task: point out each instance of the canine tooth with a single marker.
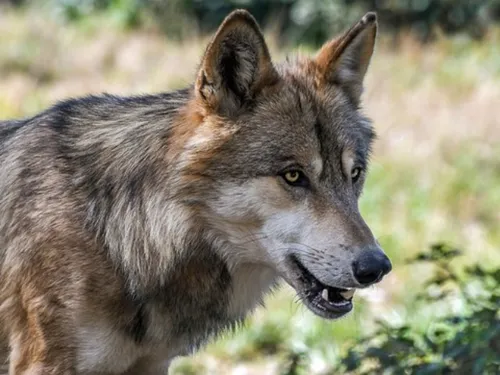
(324, 294)
(348, 293)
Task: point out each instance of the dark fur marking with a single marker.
(138, 326)
(135, 184)
(320, 136)
(202, 312)
(203, 83)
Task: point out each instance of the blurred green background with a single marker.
(433, 91)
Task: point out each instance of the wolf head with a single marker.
(282, 152)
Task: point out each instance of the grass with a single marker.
(435, 172)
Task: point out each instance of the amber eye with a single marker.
(355, 174)
(295, 178)
(292, 177)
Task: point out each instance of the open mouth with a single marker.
(326, 301)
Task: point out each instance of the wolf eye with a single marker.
(355, 174)
(295, 178)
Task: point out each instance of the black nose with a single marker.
(371, 266)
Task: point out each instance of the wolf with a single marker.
(134, 229)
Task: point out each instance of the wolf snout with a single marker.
(370, 266)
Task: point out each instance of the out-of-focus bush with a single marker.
(466, 341)
(313, 21)
(128, 12)
(463, 339)
(295, 21)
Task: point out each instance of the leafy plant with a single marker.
(464, 342)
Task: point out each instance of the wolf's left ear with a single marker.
(344, 61)
(236, 65)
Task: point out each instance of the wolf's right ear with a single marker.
(235, 66)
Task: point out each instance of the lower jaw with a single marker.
(329, 313)
(310, 290)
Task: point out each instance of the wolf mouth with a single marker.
(325, 301)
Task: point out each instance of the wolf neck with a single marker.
(194, 270)
(138, 210)
(192, 287)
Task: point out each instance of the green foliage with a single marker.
(295, 21)
(295, 363)
(267, 338)
(128, 13)
(466, 341)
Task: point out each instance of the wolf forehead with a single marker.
(298, 119)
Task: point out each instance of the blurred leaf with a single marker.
(465, 342)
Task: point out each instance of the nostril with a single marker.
(367, 275)
(387, 267)
(371, 266)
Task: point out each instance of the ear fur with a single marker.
(344, 61)
(235, 66)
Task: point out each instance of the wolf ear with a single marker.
(236, 65)
(344, 61)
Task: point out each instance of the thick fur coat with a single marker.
(134, 229)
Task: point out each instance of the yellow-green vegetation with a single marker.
(435, 173)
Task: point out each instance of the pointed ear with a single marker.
(344, 61)
(236, 65)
